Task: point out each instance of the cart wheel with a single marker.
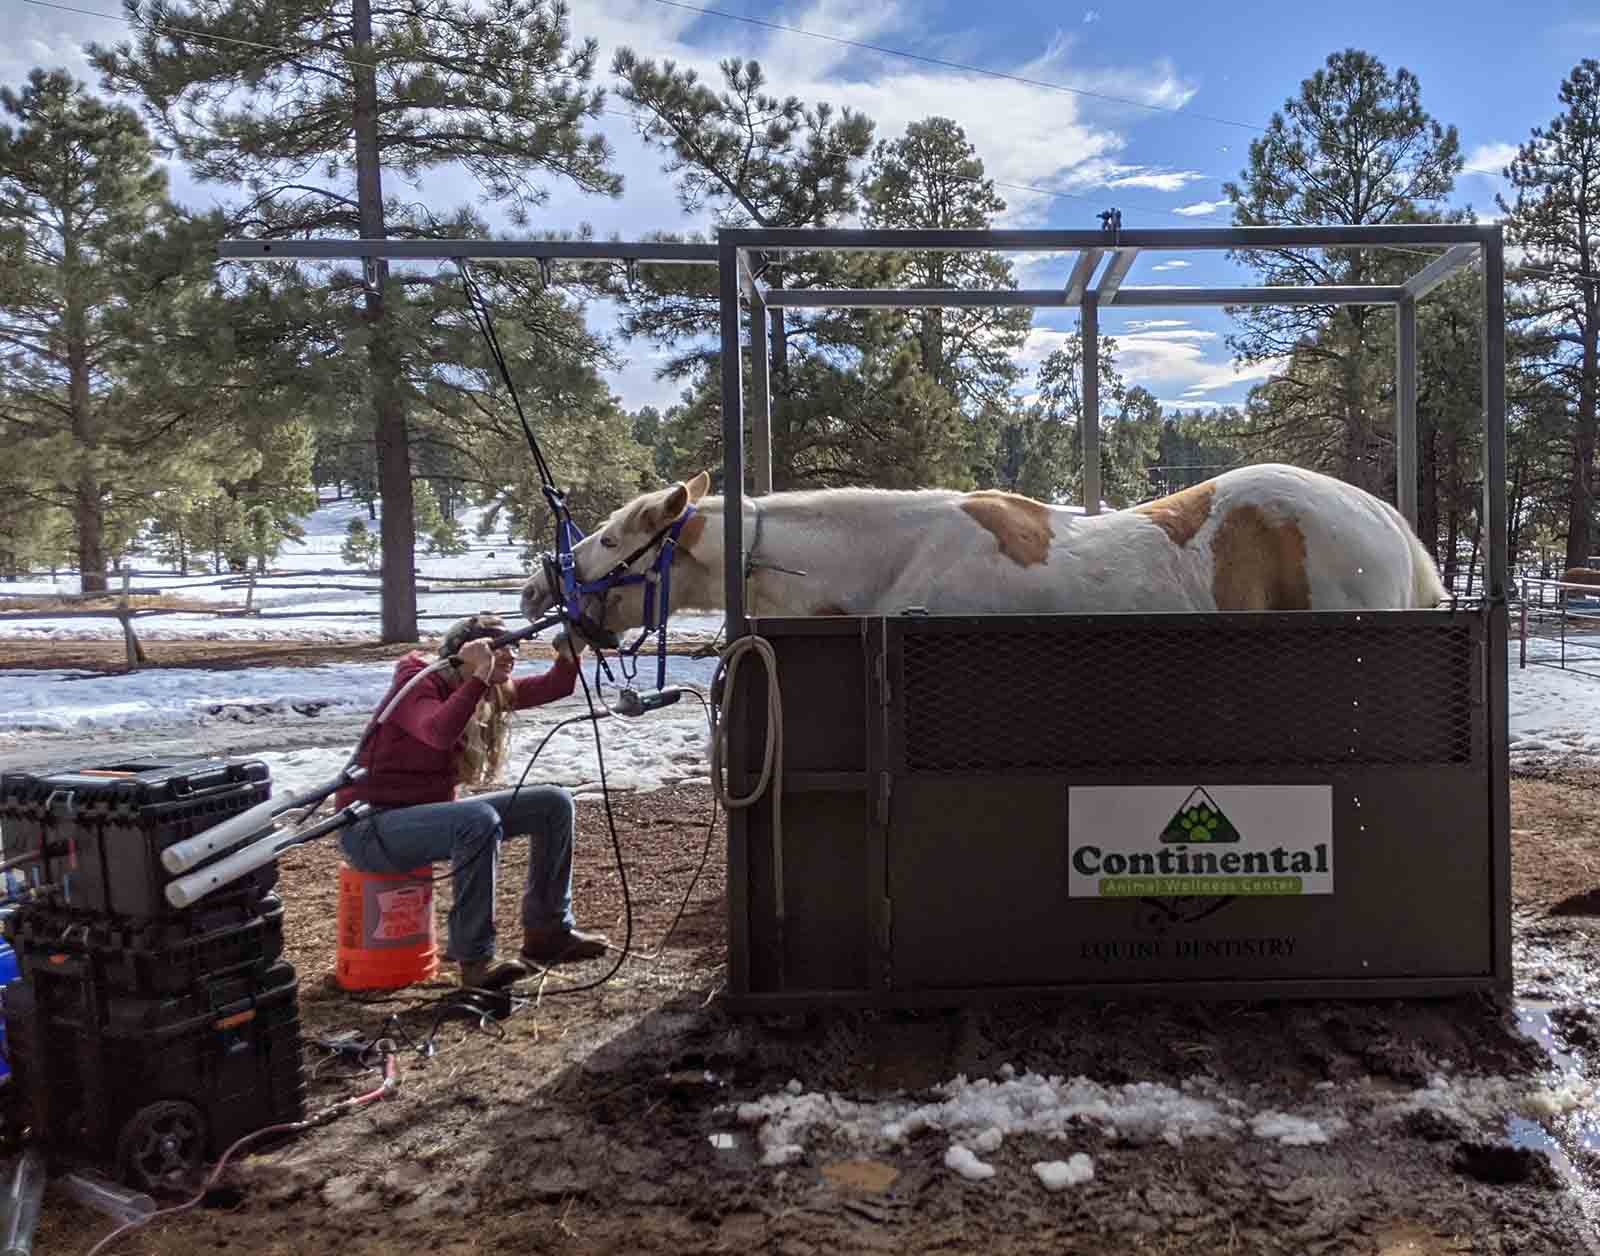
(162, 1145)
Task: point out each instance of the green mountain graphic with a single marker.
(1200, 820)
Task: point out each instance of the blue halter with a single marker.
(659, 573)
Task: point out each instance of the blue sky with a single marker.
(1492, 73)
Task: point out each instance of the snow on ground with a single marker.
(1554, 711)
(641, 753)
(976, 1116)
(332, 615)
(65, 701)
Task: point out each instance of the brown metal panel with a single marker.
(980, 876)
(1007, 694)
(824, 677)
(981, 725)
(826, 941)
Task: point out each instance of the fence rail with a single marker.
(1564, 614)
(495, 585)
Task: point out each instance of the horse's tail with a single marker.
(1427, 589)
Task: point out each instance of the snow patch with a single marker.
(966, 1164)
(1057, 1175)
(979, 1115)
(1293, 1131)
(989, 1140)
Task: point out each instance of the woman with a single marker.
(451, 731)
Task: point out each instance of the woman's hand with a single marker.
(567, 645)
(478, 659)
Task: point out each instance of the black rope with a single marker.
(479, 309)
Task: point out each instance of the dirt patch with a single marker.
(1555, 833)
(606, 1121)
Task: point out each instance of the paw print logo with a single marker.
(1200, 821)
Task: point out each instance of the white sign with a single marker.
(1159, 841)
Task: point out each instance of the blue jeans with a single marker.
(468, 832)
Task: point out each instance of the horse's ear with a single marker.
(677, 501)
(699, 485)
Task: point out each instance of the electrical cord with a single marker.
(705, 851)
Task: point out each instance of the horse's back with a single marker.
(1355, 549)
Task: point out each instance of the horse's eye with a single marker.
(608, 542)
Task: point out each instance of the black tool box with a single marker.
(153, 1088)
(103, 829)
(150, 957)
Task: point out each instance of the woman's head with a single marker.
(483, 624)
(480, 751)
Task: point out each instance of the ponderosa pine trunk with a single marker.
(399, 614)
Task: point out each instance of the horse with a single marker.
(1266, 537)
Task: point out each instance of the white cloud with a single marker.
(1189, 403)
(1157, 180)
(1102, 172)
(1151, 324)
(1200, 208)
(1090, 15)
(1167, 358)
(52, 40)
(1175, 264)
(1025, 134)
(1487, 160)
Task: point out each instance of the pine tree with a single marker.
(340, 93)
(1039, 450)
(216, 521)
(360, 548)
(748, 159)
(1354, 147)
(439, 533)
(79, 190)
(932, 178)
(1555, 219)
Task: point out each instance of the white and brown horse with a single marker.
(1259, 538)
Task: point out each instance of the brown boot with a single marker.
(548, 947)
(491, 973)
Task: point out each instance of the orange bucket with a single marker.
(386, 929)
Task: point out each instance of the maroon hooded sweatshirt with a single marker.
(408, 758)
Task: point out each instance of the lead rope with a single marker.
(726, 673)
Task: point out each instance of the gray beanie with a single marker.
(483, 624)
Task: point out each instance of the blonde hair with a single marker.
(480, 752)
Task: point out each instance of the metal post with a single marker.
(1495, 575)
(1090, 427)
(1405, 411)
(732, 442)
(1494, 411)
(738, 820)
(760, 398)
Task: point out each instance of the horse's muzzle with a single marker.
(541, 593)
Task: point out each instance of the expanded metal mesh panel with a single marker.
(1193, 692)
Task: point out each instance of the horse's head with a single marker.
(626, 543)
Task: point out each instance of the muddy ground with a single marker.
(584, 1126)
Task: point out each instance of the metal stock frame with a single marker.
(741, 256)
